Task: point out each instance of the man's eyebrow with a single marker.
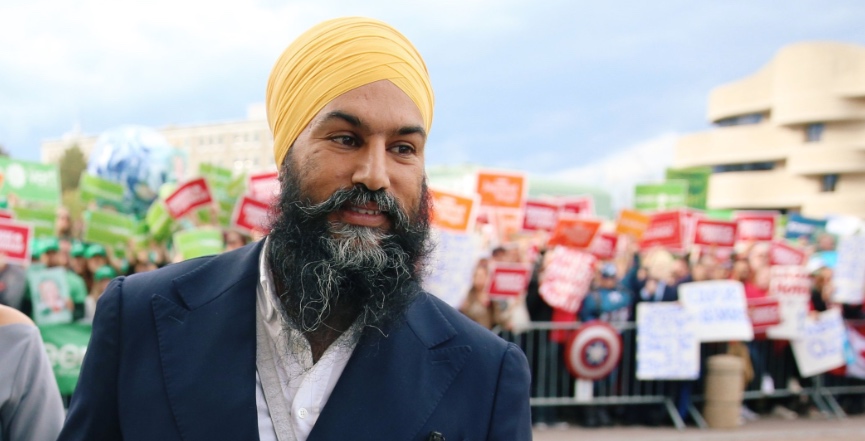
(411, 130)
(347, 117)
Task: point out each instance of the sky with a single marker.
(543, 86)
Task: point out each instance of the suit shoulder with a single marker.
(465, 330)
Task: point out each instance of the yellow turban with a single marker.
(332, 58)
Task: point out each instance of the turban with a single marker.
(335, 57)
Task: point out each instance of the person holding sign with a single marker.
(320, 331)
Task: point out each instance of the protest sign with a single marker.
(251, 215)
(6, 214)
(781, 253)
(849, 273)
(102, 191)
(791, 285)
(540, 216)
(198, 242)
(758, 226)
(799, 226)
(719, 308)
(821, 347)
(856, 354)
(660, 197)
(785, 280)
(764, 313)
(667, 344)
(49, 294)
(508, 279)
(42, 219)
(698, 184)
(108, 228)
(501, 189)
(717, 233)
(508, 223)
(632, 223)
(65, 346)
(580, 206)
(158, 220)
(665, 229)
(216, 176)
(574, 232)
(29, 181)
(187, 197)
(451, 266)
(604, 246)
(567, 278)
(452, 211)
(15, 241)
(263, 186)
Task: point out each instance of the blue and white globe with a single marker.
(139, 158)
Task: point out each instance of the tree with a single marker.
(72, 163)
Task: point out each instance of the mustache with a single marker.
(359, 195)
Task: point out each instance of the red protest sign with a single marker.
(604, 246)
(756, 225)
(764, 313)
(665, 230)
(6, 214)
(508, 279)
(574, 233)
(582, 206)
(540, 216)
(251, 215)
(15, 241)
(789, 280)
(188, 197)
(782, 254)
(709, 232)
(567, 278)
(263, 186)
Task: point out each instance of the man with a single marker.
(320, 332)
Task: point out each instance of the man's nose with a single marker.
(371, 168)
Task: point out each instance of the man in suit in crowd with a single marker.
(320, 331)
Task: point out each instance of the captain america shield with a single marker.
(593, 351)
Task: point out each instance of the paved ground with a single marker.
(767, 429)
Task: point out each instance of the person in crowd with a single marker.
(741, 271)
(63, 225)
(13, 284)
(477, 305)
(101, 279)
(30, 405)
(234, 239)
(77, 261)
(758, 286)
(52, 257)
(330, 300)
(681, 271)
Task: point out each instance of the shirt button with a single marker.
(302, 413)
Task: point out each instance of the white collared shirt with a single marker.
(306, 386)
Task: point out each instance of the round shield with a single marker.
(593, 351)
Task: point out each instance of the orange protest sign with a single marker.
(452, 212)
(501, 189)
(574, 232)
(632, 222)
(508, 223)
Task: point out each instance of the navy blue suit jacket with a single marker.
(172, 357)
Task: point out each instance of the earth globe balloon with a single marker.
(140, 159)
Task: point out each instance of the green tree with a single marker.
(72, 163)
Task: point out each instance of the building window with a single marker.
(741, 120)
(753, 166)
(814, 132)
(828, 183)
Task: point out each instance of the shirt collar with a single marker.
(270, 307)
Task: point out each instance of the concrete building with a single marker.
(245, 145)
(789, 137)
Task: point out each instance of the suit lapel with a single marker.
(207, 346)
(392, 385)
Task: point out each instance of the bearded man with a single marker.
(321, 331)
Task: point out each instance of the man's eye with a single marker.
(403, 149)
(345, 140)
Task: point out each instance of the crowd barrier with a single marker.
(553, 386)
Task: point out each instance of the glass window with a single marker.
(828, 183)
(752, 166)
(741, 120)
(814, 132)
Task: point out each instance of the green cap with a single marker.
(77, 249)
(95, 250)
(105, 272)
(50, 244)
(36, 248)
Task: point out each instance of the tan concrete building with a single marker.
(245, 145)
(789, 137)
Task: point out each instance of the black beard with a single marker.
(335, 271)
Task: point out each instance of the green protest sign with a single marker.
(29, 181)
(216, 176)
(198, 242)
(105, 192)
(42, 219)
(65, 346)
(158, 220)
(49, 294)
(698, 184)
(658, 197)
(720, 214)
(108, 228)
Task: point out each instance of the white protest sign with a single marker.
(719, 308)
(821, 347)
(849, 274)
(451, 266)
(567, 278)
(792, 286)
(667, 345)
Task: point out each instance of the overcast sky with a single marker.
(540, 86)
